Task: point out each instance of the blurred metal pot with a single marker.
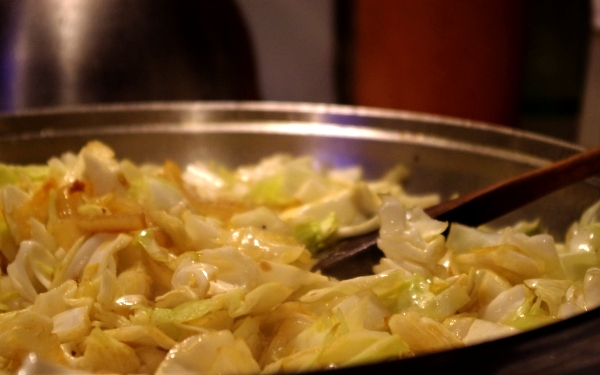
(65, 52)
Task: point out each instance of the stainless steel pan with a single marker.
(444, 155)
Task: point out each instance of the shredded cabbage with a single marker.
(108, 266)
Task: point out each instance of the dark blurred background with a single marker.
(517, 63)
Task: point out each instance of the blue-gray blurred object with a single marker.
(66, 52)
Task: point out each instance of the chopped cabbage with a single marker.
(108, 266)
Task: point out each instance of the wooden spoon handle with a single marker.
(356, 256)
(483, 205)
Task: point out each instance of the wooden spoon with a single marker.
(356, 256)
